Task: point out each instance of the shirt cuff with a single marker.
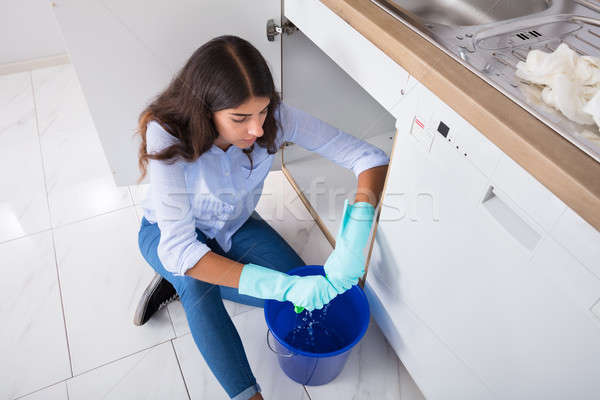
(190, 257)
(370, 159)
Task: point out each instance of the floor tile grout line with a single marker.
(120, 358)
(93, 216)
(62, 304)
(172, 323)
(138, 362)
(131, 194)
(42, 388)
(26, 235)
(67, 224)
(180, 369)
(94, 368)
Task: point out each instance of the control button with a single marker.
(443, 129)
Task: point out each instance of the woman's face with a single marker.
(241, 126)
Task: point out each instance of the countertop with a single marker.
(572, 175)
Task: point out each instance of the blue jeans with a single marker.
(212, 329)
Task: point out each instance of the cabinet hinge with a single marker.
(273, 29)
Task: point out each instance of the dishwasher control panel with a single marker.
(467, 141)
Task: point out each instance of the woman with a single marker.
(208, 142)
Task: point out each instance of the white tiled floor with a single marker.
(72, 272)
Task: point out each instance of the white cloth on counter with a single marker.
(570, 82)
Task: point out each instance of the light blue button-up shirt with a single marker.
(217, 192)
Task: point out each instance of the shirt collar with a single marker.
(216, 149)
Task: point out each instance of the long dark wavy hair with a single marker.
(223, 73)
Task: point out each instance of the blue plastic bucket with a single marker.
(347, 314)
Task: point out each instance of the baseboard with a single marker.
(34, 63)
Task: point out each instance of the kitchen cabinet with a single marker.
(464, 242)
(378, 74)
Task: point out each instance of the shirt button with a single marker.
(226, 173)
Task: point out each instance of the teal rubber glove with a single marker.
(310, 292)
(346, 263)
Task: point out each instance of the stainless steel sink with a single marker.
(469, 12)
(490, 37)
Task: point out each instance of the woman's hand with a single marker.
(346, 263)
(309, 292)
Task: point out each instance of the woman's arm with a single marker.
(370, 185)
(179, 248)
(219, 270)
(338, 146)
(216, 269)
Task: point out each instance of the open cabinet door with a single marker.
(125, 53)
(314, 83)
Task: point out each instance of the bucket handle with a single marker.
(275, 351)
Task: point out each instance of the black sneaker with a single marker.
(158, 294)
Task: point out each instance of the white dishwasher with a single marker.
(451, 279)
